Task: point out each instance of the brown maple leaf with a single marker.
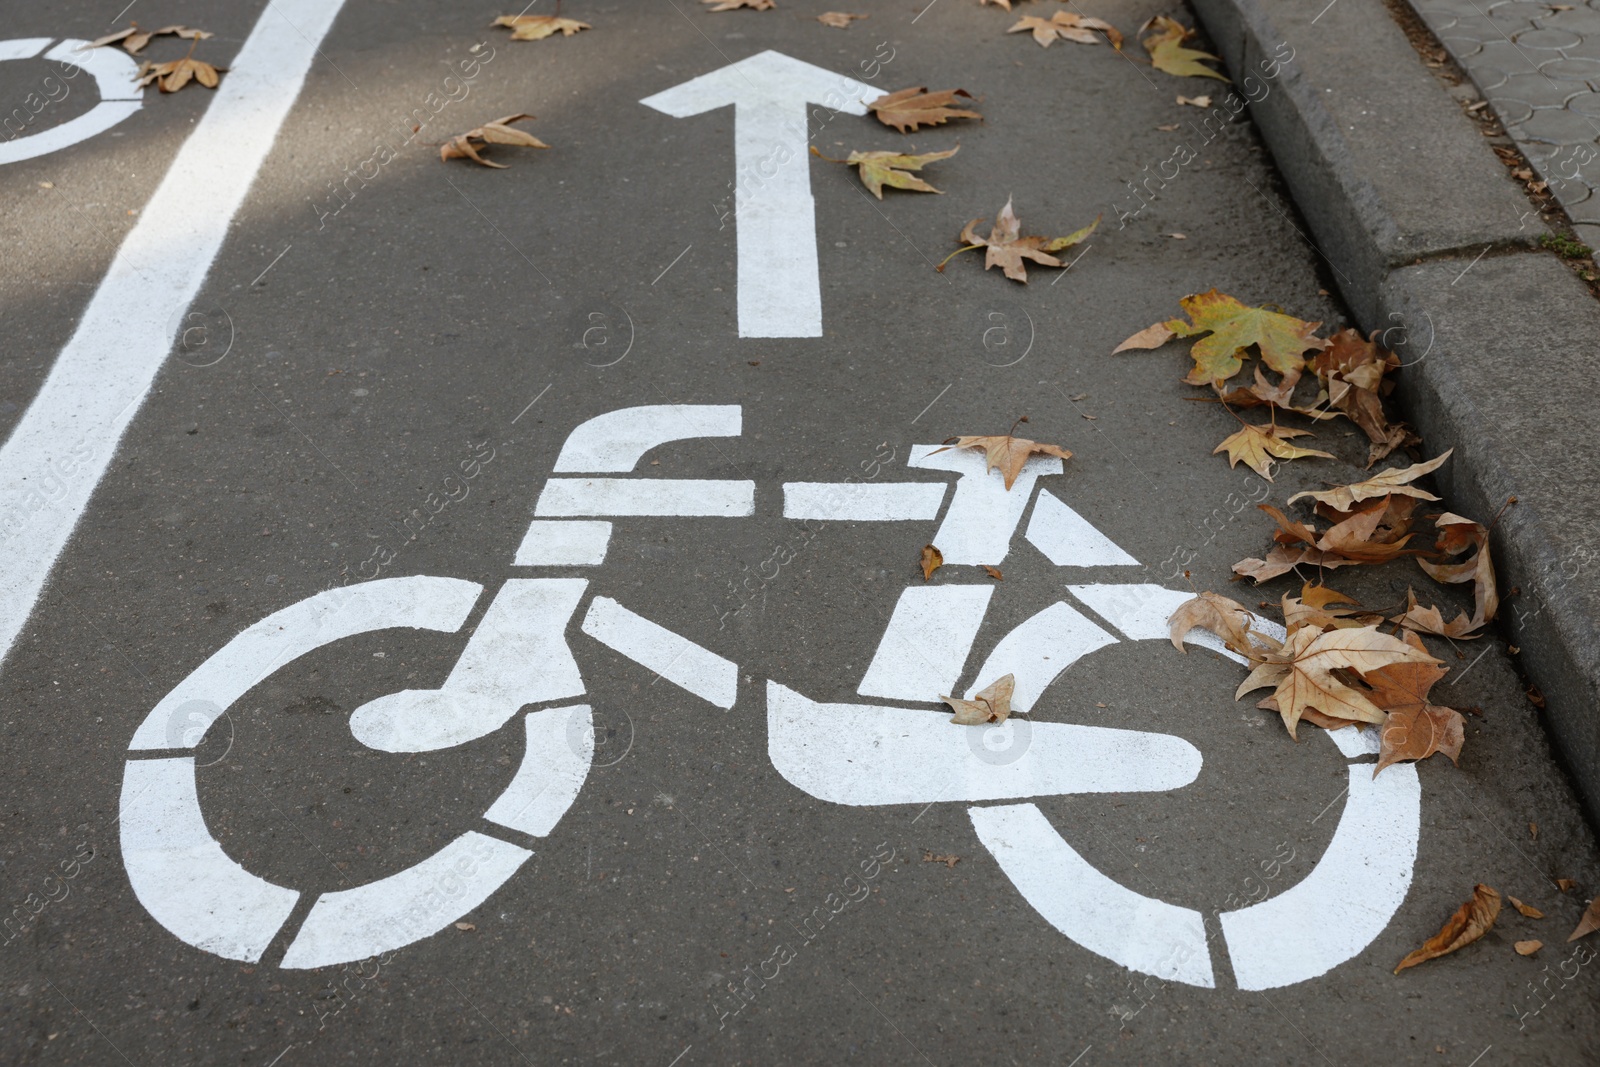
(839, 20)
(932, 560)
(1351, 372)
(1415, 728)
(1164, 43)
(1591, 917)
(1430, 620)
(1228, 619)
(1006, 453)
(1456, 536)
(878, 169)
(134, 39)
(538, 27)
(1470, 922)
(497, 132)
(1393, 482)
(1375, 533)
(1302, 673)
(172, 76)
(1065, 26)
(991, 704)
(1260, 447)
(1007, 248)
(1527, 910)
(910, 109)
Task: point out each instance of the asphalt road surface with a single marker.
(491, 786)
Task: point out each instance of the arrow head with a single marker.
(765, 78)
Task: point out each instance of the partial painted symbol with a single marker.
(780, 291)
(114, 73)
(518, 657)
(869, 754)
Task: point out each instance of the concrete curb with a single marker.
(1429, 240)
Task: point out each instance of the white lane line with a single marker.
(64, 443)
(672, 656)
(861, 502)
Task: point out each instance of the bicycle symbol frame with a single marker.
(851, 754)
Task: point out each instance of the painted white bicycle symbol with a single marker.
(114, 74)
(854, 754)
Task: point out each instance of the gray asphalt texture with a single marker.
(394, 338)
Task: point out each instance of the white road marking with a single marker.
(180, 873)
(615, 442)
(1039, 649)
(779, 290)
(575, 497)
(559, 752)
(926, 644)
(1067, 539)
(675, 658)
(1100, 914)
(113, 72)
(421, 602)
(356, 924)
(517, 655)
(1354, 890)
(564, 543)
(859, 754)
(862, 501)
(984, 513)
(71, 430)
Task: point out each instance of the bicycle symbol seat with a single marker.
(870, 754)
(517, 656)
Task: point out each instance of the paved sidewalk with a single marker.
(1538, 65)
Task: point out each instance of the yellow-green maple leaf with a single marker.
(1281, 339)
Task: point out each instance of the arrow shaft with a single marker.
(780, 294)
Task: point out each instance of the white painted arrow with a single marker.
(780, 294)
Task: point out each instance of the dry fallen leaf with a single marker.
(1165, 45)
(913, 108)
(1414, 729)
(538, 27)
(1195, 101)
(1590, 921)
(1528, 948)
(1374, 533)
(994, 572)
(1150, 337)
(497, 132)
(948, 861)
(878, 169)
(1320, 596)
(465, 926)
(1302, 672)
(1006, 453)
(1456, 536)
(172, 76)
(1260, 447)
(991, 704)
(1281, 339)
(1533, 827)
(1394, 482)
(1527, 910)
(1065, 26)
(134, 39)
(932, 560)
(733, 5)
(1228, 619)
(1470, 922)
(839, 19)
(1351, 373)
(1007, 248)
(1430, 620)
(1566, 885)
